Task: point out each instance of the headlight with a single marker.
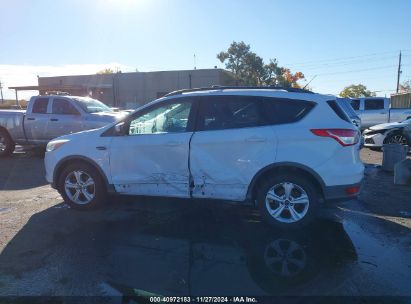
(373, 132)
(55, 144)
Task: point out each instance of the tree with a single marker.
(355, 91)
(249, 69)
(405, 86)
(105, 71)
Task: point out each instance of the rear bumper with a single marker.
(341, 193)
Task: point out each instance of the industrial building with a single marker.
(131, 90)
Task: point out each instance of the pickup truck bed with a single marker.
(48, 117)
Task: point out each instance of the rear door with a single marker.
(375, 112)
(232, 142)
(36, 120)
(64, 118)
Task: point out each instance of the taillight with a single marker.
(346, 137)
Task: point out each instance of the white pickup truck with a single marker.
(51, 116)
(376, 110)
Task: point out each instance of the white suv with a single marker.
(285, 151)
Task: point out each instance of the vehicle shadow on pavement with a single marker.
(184, 249)
(20, 172)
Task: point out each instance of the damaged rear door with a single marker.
(232, 142)
(152, 158)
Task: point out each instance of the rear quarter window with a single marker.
(282, 110)
(355, 104)
(338, 110)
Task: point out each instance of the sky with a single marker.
(339, 42)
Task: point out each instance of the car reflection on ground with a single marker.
(195, 250)
(214, 253)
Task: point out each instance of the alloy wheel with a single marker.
(80, 187)
(287, 202)
(2, 144)
(398, 139)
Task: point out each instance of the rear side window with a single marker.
(282, 110)
(230, 112)
(40, 106)
(355, 103)
(337, 109)
(374, 104)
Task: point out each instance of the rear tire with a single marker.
(7, 145)
(287, 201)
(82, 187)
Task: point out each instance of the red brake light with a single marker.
(345, 137)
(352, 190)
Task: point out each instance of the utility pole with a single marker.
(1, 92)
(399, 73)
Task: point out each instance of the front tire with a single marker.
(7, 145)
(287, 201)
(82, 187)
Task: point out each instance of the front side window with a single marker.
(170, 118)
(63, 107)
(40, 106)
(230, 112)
(374, 104)
(90, 105)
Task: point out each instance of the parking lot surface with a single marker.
(183, 247)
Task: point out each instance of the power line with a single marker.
(343, 63)
(339, 59)
(355, 71)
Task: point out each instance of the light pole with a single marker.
(1, 92)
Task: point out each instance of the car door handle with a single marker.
(54, 119)
(31, 118)
(101, 148)
(174, 143)
(256, 139)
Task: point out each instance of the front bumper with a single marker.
(374, 140)
(50, 163)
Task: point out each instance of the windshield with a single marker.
(91, 105)
(407, 121)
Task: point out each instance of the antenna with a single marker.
(309, 82)
(195, 65)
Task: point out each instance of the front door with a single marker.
(64, 119)
(152, 158)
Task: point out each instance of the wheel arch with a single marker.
(82, 159)
(7, 133)
(282, 167)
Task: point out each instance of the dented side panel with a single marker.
(223, 162)
(151, 164)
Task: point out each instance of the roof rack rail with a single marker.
(217, 87)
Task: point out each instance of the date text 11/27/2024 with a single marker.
(160, 299)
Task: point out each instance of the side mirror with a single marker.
(120, 128)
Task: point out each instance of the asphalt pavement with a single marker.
(183, 247)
